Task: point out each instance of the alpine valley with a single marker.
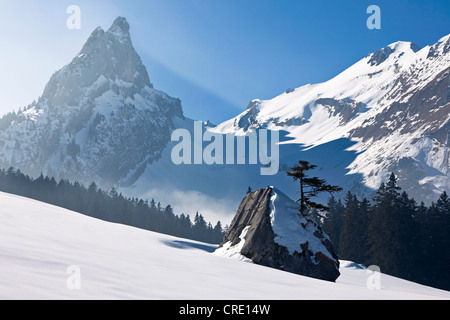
(101, 119)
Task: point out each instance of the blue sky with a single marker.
(215, 55)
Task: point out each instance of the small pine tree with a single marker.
(310, 187)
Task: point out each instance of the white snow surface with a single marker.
(40, 242)
(227, 250)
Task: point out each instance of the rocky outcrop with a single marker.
(268, 230)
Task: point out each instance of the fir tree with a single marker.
(443, 204)
(334, 221)
(218, 232)
(310, 187)
(354, 231)
(436, 233)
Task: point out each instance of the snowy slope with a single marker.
(39, 243)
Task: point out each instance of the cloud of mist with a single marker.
(189, 202)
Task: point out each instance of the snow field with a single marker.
(46, 251)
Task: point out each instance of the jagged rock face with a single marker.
(268, 231)
(109, 54)
(99, 119)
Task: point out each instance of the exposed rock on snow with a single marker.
(268, 230)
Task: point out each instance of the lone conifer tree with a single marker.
(310, 187)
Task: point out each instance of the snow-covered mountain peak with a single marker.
(395, 50)
(404, 46)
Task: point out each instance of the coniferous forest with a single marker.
(403, 238)
(110, 206)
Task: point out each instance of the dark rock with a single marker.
(254, 224)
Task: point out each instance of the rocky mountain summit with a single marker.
(99, 119)
(268, 230)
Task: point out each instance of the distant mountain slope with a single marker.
(393, 107)
(43, 250)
